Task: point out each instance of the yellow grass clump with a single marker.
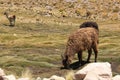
(70, 75)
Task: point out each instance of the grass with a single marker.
(69, 76)
(38, 46)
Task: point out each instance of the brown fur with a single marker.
(79, 41)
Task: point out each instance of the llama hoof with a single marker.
(88, 62)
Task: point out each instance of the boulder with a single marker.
(9, 77)
(2, 72)
(93, 75)
(1, 78)
(38, 78)
(45, 79)
(23, 79)
(54, 77)
(99, 71)
(117, 77)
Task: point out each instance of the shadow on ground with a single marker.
(8, 25)
(75, 65)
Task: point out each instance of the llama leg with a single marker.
(80, 57)
(89, 55)
(14, 22)
(96, 52)
(10, 21)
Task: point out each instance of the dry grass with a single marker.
(38, 45)
(70, 75)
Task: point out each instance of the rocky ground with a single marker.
(83, 9)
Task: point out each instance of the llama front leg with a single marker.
(14, 18)
(10, 21)
(13, 23)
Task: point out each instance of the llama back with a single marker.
(83, 39)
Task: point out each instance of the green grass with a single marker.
(38, 46)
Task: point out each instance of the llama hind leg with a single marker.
(96, 53)
(80, 57)
(14, 22)
(11, 22)
(89, 55)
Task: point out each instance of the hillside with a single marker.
(82, 9)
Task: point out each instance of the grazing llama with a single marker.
(11, 18)
(85, 38)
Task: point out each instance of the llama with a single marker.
(11, 18)
(85, 38)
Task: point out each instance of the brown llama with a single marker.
(11, 18)
(85, 38)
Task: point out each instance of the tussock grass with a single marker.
(27, 74)
(70, 75)
(38, 46)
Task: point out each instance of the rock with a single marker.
(38, 78)
(9, 77)
(2, 72)
(117, 77)
(100, 71)
(15, 35)
(45, 79)
(23, 79)
(70, 0)
(91, 76)
(54, 77)
(1, 78)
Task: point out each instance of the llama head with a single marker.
(65, 61)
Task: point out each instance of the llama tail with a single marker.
(89, 24)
